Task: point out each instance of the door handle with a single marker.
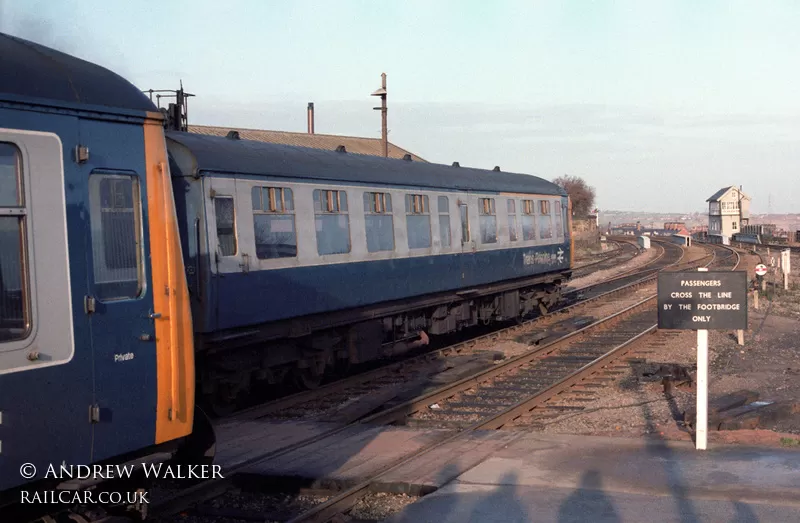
(155, 315)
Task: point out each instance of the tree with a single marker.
(580, 193)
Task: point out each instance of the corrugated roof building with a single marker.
(330, 142)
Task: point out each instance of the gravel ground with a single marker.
(633, 406)
(379, 506)
(278, 504)
(585, 256)
(768, 363)
(599, 276)
(693, 253)
(516, 343)
(372, 508)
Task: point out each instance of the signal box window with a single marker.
(418, 221)
(512, 220)
(379, 221)
(444, 221)
(545, 220)
(331, 221)
(116, 234)
(226, 225)
(488, 221)
(528, 220)
(273, 223)
(15, 305)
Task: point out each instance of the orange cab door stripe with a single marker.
(174, 342)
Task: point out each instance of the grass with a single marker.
(790, 442)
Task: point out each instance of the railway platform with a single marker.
(563, 479)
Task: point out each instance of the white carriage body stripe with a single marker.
(307, 256)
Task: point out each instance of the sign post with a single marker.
(786, 265)
(701, 424)
(702, 301)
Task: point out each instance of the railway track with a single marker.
(514, 391)
(381, 385)
(397, 373)
(625, 251)
(562, 361)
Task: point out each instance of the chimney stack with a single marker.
(310, 117)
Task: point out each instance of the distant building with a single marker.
(636, 229)
(625, 229)
(728, 211)
(676, 228)
(352, 144)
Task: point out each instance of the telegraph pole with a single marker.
(384, 131)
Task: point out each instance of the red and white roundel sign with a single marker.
(761, 269)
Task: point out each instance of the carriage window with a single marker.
(379, 221)
(418, 221)
(557, 215)
(545, 229)
(488, 221)
(273, 223)
(512, 220)
(226, 224)
(14, 297)
(528, 220)
(444, 221)
(331, 222)
(116, 235)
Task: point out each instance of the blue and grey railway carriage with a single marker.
(301, 259)
(139, 267)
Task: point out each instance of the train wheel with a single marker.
(542, 308)
(343, 367)
(200, 447)
(221, 402)
(307, 379)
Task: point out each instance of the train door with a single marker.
(225, 253)
(119, 302)
(45, 374)
(467, 245)
(467, 242)
(226, 256)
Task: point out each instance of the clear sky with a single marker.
(657, 104)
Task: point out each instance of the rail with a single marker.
(346, 500)
(211, 488)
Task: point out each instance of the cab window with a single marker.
(15, 304)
